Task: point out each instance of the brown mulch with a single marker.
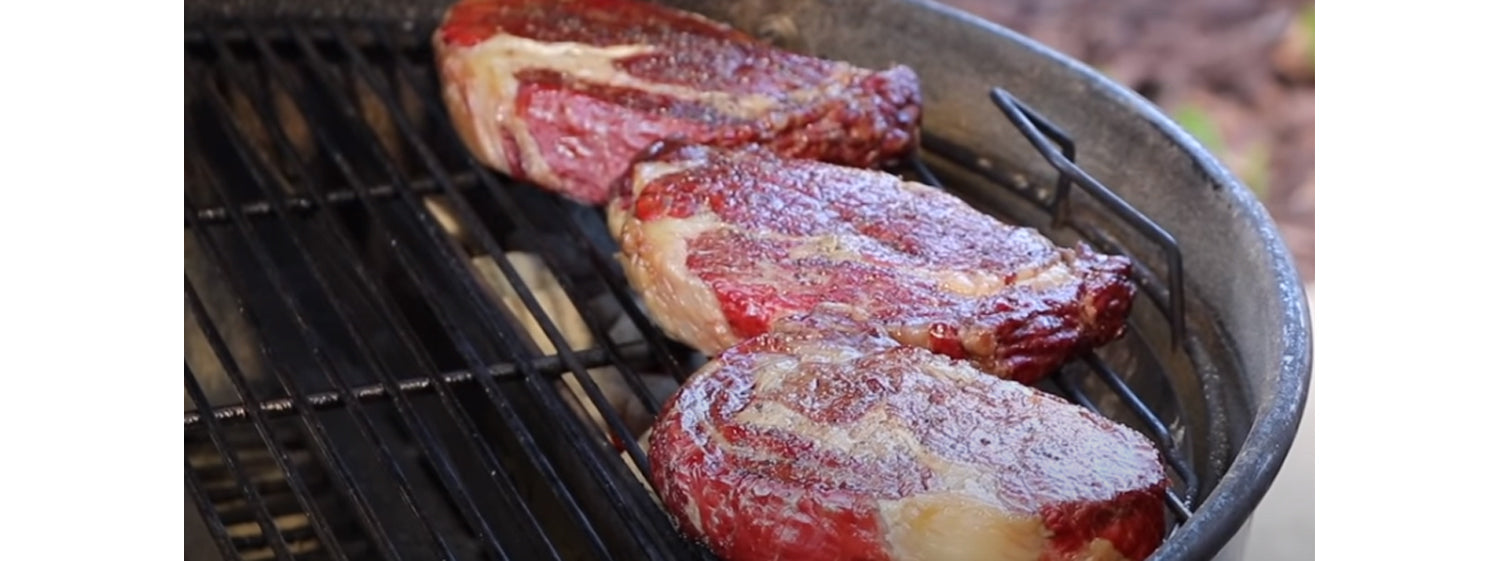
(1234, 62)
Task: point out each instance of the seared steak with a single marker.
(828, 440)
(564, 93)
(721, 243)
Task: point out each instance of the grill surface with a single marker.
(357, 387)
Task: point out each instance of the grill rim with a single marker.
(1279, 404)
(1225, 511)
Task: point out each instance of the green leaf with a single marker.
(1255, 170)
(1252, 165)
(1307, 22)
(1201, 125)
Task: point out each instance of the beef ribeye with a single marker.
(721, 243)
(564, 93)
(829, 441)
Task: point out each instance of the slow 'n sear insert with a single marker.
(563, 94)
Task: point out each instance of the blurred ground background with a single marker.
(1238, 75)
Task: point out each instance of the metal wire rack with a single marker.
(363, 393)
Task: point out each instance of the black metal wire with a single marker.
(1038, 131)
(614, 277)
(244, 511)
(1157, 293)
(332, 373)
(1166, 444)
(519, 218)
(597, 461)
(471, 221)
(435, 453)
(319, 49)
(550, 366)
(302, 205)
(231, 460)
(315, 429)
(315, 339)
(210, 515)
(436, 382)
(1074, 393)
(644, 509)
(262, 426)
(468, 350)
(1157, 428)
(593, 458)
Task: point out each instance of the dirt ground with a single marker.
(1238, 74)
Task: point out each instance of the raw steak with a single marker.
(722, 243)
(830, 441)
(563, 94)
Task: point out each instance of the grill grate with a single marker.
(362, 389)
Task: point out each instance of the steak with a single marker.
(563, 93)
(829, 440)
(722, 243)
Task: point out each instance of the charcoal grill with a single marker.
(368, 375)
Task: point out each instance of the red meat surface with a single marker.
(827, 440)
(722, 243)
(563, 93)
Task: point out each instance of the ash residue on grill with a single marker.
(1237, 74)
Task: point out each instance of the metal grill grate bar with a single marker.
(231, 460)
(279, 454)
(639, 510)
(205, 508)
(1038, 131)
(1165, 442)
(594, 459)
(1158, 429)
(498, 474)
(516, 216)
(1074, 393)
(333, 374)
(471, 221)
(434, 452)
(550, 366)
(609, 270)
(314, 429)
(480, 330)
(301, 205)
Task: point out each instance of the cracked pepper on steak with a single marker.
(826, 439)
(563, 93)
(722, 243)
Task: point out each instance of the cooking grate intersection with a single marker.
(354, 424)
